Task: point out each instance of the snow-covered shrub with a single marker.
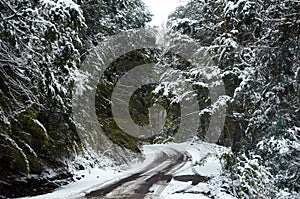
(269, 171)
(250, 178)
(281, 154)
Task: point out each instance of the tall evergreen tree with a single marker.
(41, 46)
(256, 45)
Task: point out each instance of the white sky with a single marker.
(161, 9)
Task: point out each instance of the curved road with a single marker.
(137, 185)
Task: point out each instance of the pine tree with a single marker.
(41, 47)
(256, 45)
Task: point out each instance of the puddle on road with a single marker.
(196, 179)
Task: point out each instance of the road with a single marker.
(157, 173)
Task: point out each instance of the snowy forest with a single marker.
(255, 45)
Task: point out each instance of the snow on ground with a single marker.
(92, 178)
(204, 162)
(89, 180)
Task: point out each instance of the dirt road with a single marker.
(158, 173)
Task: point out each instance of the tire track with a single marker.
(137, 186)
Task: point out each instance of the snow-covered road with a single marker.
(168, 171)
(137, 185)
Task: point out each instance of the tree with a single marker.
(105, 18)
(39, 51)
(41, 48)
(255, 44)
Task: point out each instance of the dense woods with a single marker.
(255, 44)
(43, 44)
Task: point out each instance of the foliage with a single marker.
(256, 46)
(42, 45)
(39, 51)
(109, 17)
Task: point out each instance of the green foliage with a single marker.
(109, 17)
(228, 160)
(256, 45)
(250, 177)
(41, 48)
(203, 160)
(141, 100)
(103, 98)
(13, 157)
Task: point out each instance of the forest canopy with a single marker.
(255, 45)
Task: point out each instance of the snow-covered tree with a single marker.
(109, 17)
(256, 45)
(41, 47)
